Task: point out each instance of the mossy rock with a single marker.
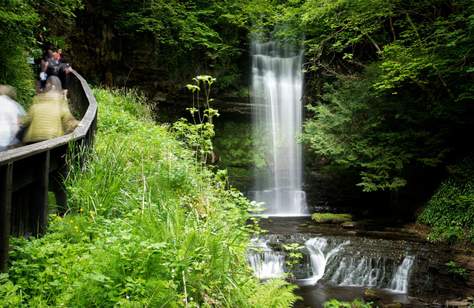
(371, 294)
(331, 217)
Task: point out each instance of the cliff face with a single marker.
(109, 44)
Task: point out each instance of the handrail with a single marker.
(27, 173)
(81, 130)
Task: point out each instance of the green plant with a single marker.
(18, 19)
(21, 33)
(450, 211)
(387, 84)
(457, 270)
(147, 225)
(293, 255)
(334, 303)
(273, 293)
(198, 134)
(9, 292)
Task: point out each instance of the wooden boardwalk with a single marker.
(27, 173)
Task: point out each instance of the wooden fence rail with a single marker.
(27, 173)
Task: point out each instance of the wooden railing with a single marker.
(29, 172)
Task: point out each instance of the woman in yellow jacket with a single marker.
(49, 116)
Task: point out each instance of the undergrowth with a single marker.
(450, 212)
(147, 225)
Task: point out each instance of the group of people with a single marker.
(52, 64)
(49, 115)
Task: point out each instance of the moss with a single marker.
(331, 217)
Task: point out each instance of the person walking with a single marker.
(10, 115)
(49, 116)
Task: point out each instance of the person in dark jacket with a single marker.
(52, 65)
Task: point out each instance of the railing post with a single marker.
(6, 183)
(40, 199)
(57, 181)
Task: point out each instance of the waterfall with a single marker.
(277, 86)
(265, 262)
(373, 271)
(400, 280)
(319, 257)
(335, 261)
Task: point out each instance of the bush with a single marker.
(147, 226)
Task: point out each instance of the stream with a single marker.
(338, 263)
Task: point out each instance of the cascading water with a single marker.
(277, 85)
(374, 271)
(265, 262)
(335, 262)
(400, 280)
(319, 257)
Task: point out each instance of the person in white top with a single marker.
(10, 115)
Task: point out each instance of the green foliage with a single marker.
(170, 41)
(334, 303)
(450, 212)
(17, 23)
(293, 255)
(239, 152)
(147, 226)
(22, 24)
(235, 143)
(198, 134)
(457, 270)
(63, 12)
(9, 292)
(273, 293)
(389, 84)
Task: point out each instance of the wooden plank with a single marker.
(40, 200)
(6, 179)
(57, 181)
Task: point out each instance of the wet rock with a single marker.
(371, 295)
(160, 97)
(458, 303)
(392, 305)
(349, 225)
(467, 262)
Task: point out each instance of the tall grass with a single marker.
(147, 226)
